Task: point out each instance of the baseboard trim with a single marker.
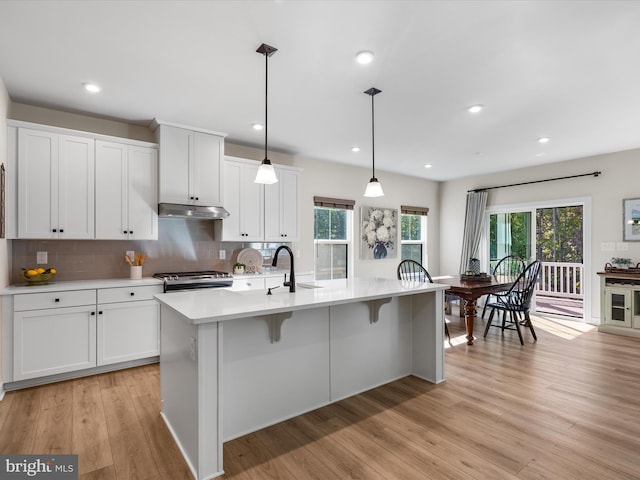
(34, 382)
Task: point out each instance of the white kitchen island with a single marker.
(233, 362)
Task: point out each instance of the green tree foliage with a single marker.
(519, 241)
(410, 227)
(559, 234)
(330, 224)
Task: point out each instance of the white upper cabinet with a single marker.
(67, 184)
(244, 200)
(281, 207)
(126, 191)
(55, 185)
(190, 166)
(259, 212)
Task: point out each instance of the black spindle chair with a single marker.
(510, 266)
(516, 301)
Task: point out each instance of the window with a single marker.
(413, 234)
(333, 227)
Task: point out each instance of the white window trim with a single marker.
(348, 241)
(423, 241)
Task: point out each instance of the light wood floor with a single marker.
(566, 407)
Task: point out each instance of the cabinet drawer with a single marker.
(38, 301)
(128, 294)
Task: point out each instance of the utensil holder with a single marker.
(135, 272)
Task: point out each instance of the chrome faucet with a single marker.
(292, 276)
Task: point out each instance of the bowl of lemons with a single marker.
(38, 276)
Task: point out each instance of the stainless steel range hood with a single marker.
(177, 210)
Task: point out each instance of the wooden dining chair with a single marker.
(509, 265)
(414, 271)
(516, 301)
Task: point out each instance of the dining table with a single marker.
(470, 289)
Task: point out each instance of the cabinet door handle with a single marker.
(55, 230)
(132, 294)
(131, 232)
(197, 198)
(93, 314)
(124, 231)
(57, 300)
(61, 230)
(100, 312)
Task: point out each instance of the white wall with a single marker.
(4, 244)
(328, 179)
(5, 253)
(619, 180)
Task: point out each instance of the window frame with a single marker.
(348, 241)
(423, 238)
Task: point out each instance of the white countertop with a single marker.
(219, 304)
(79, 285)
(61, 286)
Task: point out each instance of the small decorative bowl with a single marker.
(39, 279)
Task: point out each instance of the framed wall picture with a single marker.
(379, 233)
(631, 219)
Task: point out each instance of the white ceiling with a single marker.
(569, 70)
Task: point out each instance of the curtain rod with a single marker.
(595, 174)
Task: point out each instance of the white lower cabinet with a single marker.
(128, 331)
(51, 341)
(61, 332)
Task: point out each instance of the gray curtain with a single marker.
(473, 222)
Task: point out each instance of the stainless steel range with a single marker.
(174, 281)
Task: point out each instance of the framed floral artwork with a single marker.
(379, 233)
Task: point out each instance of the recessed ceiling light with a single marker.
(543, 139)
(257, 126)
(355, 149)
(91, 87)
(475, 108)
(428, 165)
(364, 57)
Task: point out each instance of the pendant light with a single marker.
(374, 189)
(266, 174)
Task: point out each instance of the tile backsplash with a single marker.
(182, 245)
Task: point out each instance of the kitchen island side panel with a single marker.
(267, 382)
(427, 336)
(188, 388)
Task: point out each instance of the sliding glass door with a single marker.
(554, 234)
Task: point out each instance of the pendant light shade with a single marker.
(266, 174)
(374, 189)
